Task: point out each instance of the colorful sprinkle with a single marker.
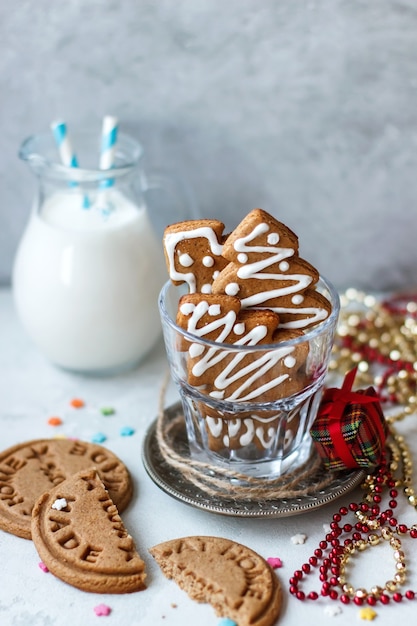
(107, 410)
(43, 567)
(59, 504)
(226, 621)
(55, 421)
(77, 403)
(367, 613)
(102, 609)
(274, 561)
(98, 438)
(127, 431)
(333, 610)
(298, 539)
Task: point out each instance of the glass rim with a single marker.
(30, 151)
(309, 334)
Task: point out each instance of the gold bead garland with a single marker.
(379, 338)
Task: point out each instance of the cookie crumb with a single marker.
(298, 539)
(102, 610)
(173, 605)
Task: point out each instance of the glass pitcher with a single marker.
(89, 267)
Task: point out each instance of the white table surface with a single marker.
(32, 390)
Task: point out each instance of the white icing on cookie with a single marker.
(289, 362)
(171, 240)
(297, 299)
(208, 261)
(272, 239)
(245, 429)
(266, 439)
(232, 289)
(256, 270)
(187, 308)
(195, 350)
(233, 427)
(248, 436)
(185, 260)
(206, 288)
(251, 373)
(215, 425)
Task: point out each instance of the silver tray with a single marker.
(176, 485)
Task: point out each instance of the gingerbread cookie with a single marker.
(29, 469)
(253, 376)
(193, 253)
(235, 580)
(238, 376)
(265, 271)
(80, 537)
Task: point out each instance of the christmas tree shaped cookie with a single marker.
(265, 271)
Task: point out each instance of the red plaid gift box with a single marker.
(350, 428)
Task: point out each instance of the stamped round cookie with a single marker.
(29, 469)
(81, 539)
(235, 580)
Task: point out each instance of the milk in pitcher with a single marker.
(86, 281)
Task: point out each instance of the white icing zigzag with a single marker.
(171, 240)
(255, 270)
(257, 368)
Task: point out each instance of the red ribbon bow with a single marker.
(333, 406)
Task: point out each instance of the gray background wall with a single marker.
(306, 108)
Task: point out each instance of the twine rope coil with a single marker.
(226, 483)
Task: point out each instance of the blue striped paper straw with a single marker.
(64, 145)
(68, 156)
(108, 147)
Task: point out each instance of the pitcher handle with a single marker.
(168, 198)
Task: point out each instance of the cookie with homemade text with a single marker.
(266, 271)
(30, 468)
(193, 253)
(235, 580)
(80, 537)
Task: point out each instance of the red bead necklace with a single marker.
(381, 340)
(372, 526)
